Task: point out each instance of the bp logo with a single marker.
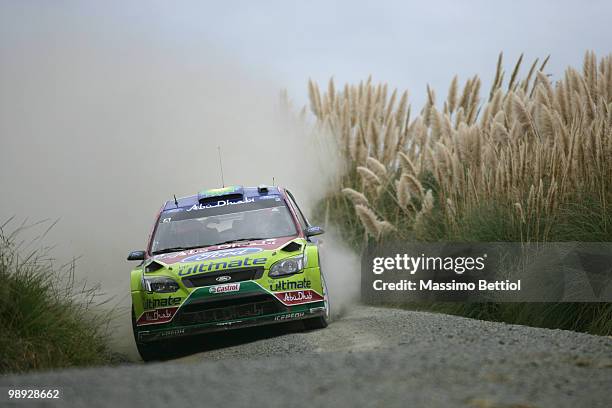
(225, 253)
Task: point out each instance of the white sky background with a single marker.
(405, 43)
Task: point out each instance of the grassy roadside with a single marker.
(46, 319)
(526, 162)
(592, 318)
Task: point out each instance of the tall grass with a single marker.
(46, 319)
(529, 161)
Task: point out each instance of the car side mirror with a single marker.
(136, 256)
(314, 230)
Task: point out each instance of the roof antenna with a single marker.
(221, 166)
(273, 183)
(175, 201)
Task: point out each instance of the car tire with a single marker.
(320, 322)
(153, 351)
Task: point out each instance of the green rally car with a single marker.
(222, 259)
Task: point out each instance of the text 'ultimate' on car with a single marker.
(226, 258)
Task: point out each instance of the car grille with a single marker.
(229, 309)
(236, 275)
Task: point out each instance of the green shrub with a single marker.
(46, 320)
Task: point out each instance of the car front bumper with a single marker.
(176, 330)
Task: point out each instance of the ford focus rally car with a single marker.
(222, 259)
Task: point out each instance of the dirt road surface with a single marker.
(371, 357)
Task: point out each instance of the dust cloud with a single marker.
(341, 268)
(101, 122)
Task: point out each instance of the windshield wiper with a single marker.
(176, 249)
(173, 249)
(231, 241)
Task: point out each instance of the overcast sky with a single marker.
(405, 43)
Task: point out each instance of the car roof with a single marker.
(230, 192)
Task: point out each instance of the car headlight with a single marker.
(288, 266)
(160, 284)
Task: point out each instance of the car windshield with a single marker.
(199, 227)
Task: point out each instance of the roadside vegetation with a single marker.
(529, 160)
(46, 318)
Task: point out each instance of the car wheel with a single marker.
(320, 322)
(149, 351)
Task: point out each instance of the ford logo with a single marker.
(223, 278)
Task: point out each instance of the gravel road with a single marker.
(369, 357)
